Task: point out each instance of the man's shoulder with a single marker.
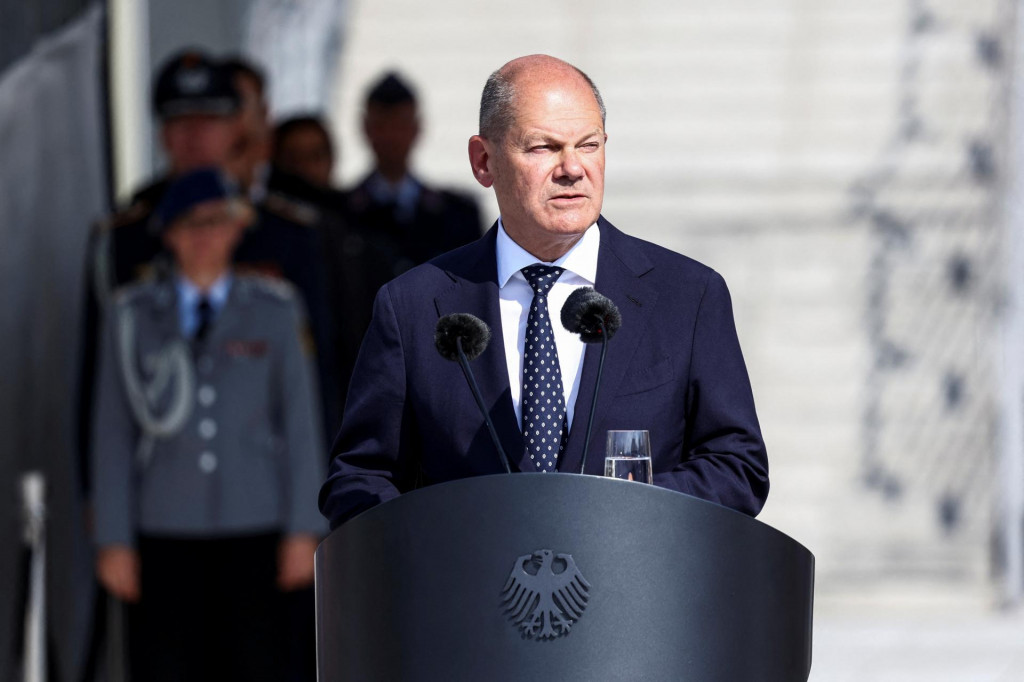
(148, 292)
(135, 215)
(277, 207)
(272, 292)
(471, 262)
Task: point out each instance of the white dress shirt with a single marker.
(515, 296)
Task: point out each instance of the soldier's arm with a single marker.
(115, 437)
(302, 435)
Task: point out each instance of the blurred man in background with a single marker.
(421, 221)
(250, 162)
(304, 149)
(197, 106)
(286, 240)
(303, 161)
(400, 221)
(207, 450)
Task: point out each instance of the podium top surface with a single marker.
(490, 490)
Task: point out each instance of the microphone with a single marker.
(461, 337)
(595, 318)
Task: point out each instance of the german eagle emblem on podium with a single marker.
(545, 594)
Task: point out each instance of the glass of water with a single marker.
(628, 456)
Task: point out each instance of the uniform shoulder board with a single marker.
(135, 213)
(271, 287)
(142, 205)
(134, 292)
(292, 209)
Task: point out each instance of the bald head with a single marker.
(499, 100)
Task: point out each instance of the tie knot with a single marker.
(541, 277)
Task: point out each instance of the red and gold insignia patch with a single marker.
(241, 348)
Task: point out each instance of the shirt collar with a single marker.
(581, 260)
(405, 191)
(189, 294)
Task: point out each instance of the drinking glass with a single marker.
(628, 456)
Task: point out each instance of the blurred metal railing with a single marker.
(33, 494)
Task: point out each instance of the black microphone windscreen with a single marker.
(585, 309)
(473, 331)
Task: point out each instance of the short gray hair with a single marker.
(497, 104)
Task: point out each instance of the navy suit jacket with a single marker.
(674, 368)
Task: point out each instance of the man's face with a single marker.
(198, 140)
(204, 239)
(548, 170)
(391, 131)
(305, 153)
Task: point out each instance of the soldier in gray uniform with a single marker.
(208, 450)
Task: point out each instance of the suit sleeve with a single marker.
(115, 437)
(303, 435)
(367, 464)
(724, 458)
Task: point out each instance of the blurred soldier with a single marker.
(422, 222)
(303, 147)
(303, 159)
(207, 450)
(398, 220)
(288, 237)
(197, 106)
(251, 158)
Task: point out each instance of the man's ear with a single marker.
(480, 160)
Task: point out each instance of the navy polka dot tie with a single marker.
(542, 399)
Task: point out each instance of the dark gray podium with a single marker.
(561, 577)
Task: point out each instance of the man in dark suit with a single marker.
(675, 367)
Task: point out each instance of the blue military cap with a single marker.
(193, 83)
(190, 190)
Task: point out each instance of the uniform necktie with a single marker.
(204, 314)
(543, 401)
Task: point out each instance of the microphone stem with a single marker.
(464, 363)
(593, 403)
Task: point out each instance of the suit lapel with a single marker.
(474, 290)
(620, 267)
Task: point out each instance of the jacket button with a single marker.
(207, 429)
(207, 462)
(207, 395)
